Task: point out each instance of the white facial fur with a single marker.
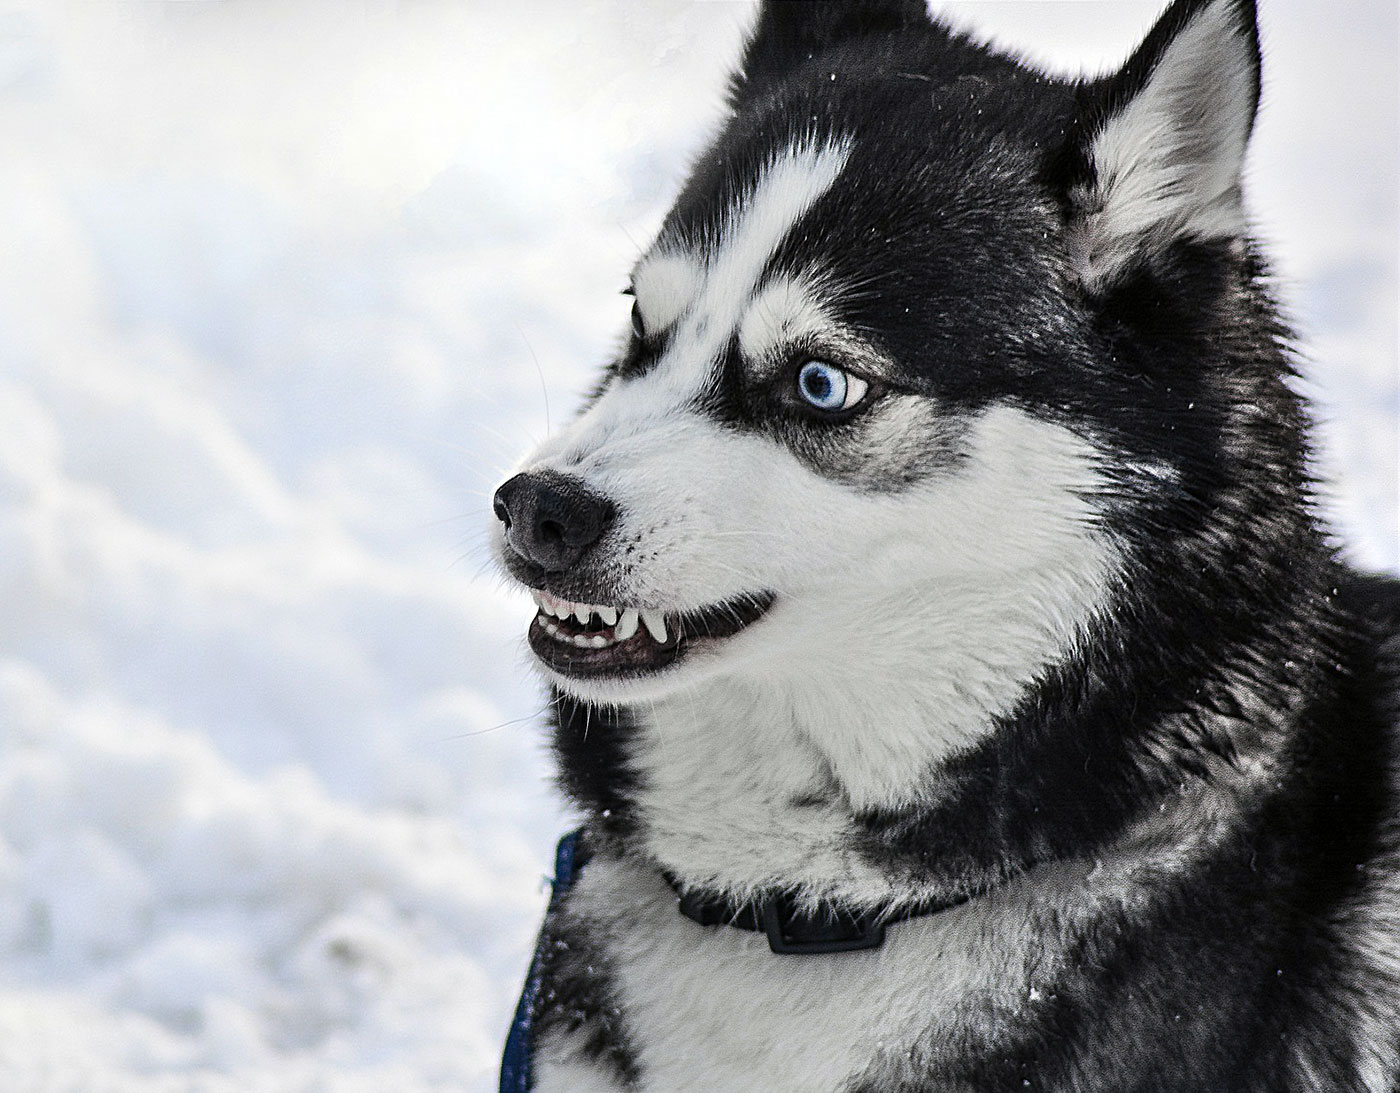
(904, 623)
(785, 311)
(905, 620)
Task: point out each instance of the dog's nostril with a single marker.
(498, 506)
(551, 532)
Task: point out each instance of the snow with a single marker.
(285, 288)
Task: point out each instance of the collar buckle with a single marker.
(829, 930)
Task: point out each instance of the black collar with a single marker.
(830, 928)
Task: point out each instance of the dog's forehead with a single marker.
(727, 254)
(854, 231)
(706, 288)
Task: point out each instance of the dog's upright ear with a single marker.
(789, 32)
(1161, 143)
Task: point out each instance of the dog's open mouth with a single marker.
(586, 640)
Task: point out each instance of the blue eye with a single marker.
(829, 388)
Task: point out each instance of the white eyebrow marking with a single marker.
(786, 310)
(664, 285)
(722, 282)
(754, 228)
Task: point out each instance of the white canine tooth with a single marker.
(626, 625)
(655, 621)
(607, 614)
(582, 612)
(598, 641)
(539, 600)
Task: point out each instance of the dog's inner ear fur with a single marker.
(790, 32)
(1165, 141)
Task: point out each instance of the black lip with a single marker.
(641, 654)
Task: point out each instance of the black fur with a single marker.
(591, 746)
(1239, 634)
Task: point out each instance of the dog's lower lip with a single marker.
(575, 651)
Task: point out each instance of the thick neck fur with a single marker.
(733, 785)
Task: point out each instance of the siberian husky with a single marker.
(954, 679)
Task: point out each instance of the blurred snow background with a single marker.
(284, 288)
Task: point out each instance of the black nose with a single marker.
(551, 519)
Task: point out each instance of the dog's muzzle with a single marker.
(553, 524)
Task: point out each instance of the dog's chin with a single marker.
(615, 654)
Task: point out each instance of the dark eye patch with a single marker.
(872, 446)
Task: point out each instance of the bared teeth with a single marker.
(624, 621)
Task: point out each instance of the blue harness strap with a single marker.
(517, 1072)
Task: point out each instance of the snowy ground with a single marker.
(282, 290)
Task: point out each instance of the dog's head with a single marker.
(920, 329)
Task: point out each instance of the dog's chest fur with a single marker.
(1032, 986)
(712, 1009)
